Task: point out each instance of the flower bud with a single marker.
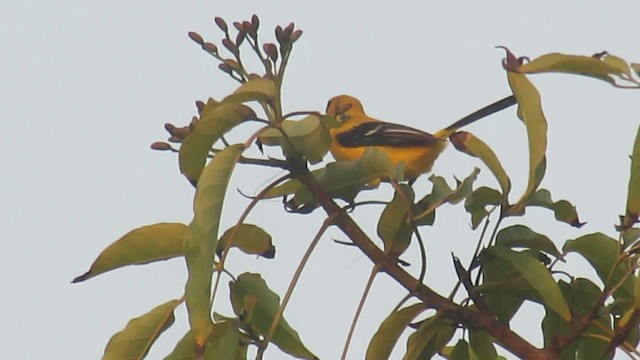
(169, 127)
(225, 68)
(221, 24)
(240, 38)
(296, 35)
(196, 37)
(255, 21)
(209, 47)
(271, 50)
(238, 26)
(279, 34)
(161, 146)
(200, 105)
(230, 46)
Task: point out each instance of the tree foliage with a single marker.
(511, 265)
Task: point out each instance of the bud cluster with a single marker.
(272, 56)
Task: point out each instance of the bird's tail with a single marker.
(473, 117)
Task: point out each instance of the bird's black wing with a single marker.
(385, 134)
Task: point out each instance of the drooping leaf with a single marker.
(633, 193)
(469, 144)
(521, 236)
(538, 277)
(606, 68)
(393, 227)
(256, 89)
(602, 253)
(144, 245)
(250, 239)
(215, 120)
(307, 137)
(202, 237)
(390, 330)
(476, 204)
(530, 111)
(562, 209)
(482, 345)
(432, 335)
(251, 298)
(441, 193)
(135, 340)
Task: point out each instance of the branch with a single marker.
(464, 315)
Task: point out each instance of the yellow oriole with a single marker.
(417, 149)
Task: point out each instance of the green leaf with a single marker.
(482, 345)
(633, 193)
(251, 298)
(390, 330)
(563, 210)
(431, 337)
(580, 294)
(257, 89)
(215, 120)
(345, 179)
(135, 340)
(461, 351)
(530, 111)
(476, 203)
(144, 245)
(469, 144)
(538, 277)
(202, 237)
(393, 227)
(604, 68)
(307, 137)
(441, 193)
(184, 349)
(517, 236)
(223, 342)
(250, 239)
(602, 253)
(502, 287)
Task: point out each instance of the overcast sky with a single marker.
(86, 86)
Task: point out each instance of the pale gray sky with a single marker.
(86, 86)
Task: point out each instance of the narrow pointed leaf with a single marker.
(390, 330)
(633, 192)
(461, 351)
(430, 338)
(307, 137)
(538, 277)
(257, 89)
(252, 289)
(140, 246)
(530, 111)
(481, 345)
(393, 227)
(184, 349)
(202, 237)
(521, 236)
(135, 340)
(602, 252)
(250, 239)
(215, 120)
(469, 144)
(605, 68)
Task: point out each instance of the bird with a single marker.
(355, 131)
